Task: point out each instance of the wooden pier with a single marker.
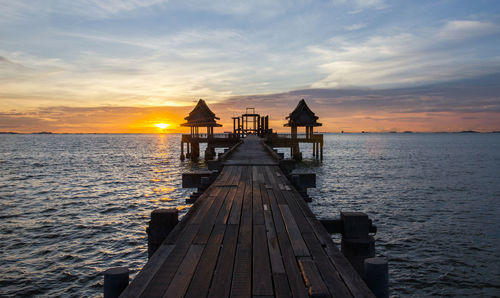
(250, 234)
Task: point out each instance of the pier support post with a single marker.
(377, 276)
(357, 244)
(209, 152)
(321, 150)
(302, 182)
(115, 281)
(195, 151)
(287, 165)
(162, 222)
(182, 150)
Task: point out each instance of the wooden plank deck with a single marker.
(250, 234)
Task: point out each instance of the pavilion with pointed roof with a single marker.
(201, 116)
(304, 117)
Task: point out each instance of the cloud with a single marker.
(360, 5)
(407, 58)
(453, 106)
(465, 29)
(91, 119)
(355, 27)
(478, 95)
(24, 10)
(472, 104)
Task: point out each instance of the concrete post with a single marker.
(357, 244)
(204, 183)
(162, 222)
(377, 276)
(115, 281)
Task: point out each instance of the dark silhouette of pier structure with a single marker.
(250, 232)
(202, 117)
(250, 123)
(302, 116)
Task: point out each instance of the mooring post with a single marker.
(377, 276)
(302, 182)
(162, 222)
(357, 244)
(115, 281)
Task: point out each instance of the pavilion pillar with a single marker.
(321, 150)
(239, 127)
(294, 132)
(182, 150)
(258, 125)
(195, 151)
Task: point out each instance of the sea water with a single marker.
(72, 206)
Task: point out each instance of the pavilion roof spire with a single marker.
(201, 115)
(302, 116)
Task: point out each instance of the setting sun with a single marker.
(162, 125)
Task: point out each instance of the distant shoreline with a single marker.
(151, 133)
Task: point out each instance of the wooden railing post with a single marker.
(377, 276)
(162, 222)
(357, 244)
(115, 281)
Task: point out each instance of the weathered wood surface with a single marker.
(249, 235)
(250, 153)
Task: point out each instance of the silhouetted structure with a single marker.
(251, 123)
(202, 116)
(302, 116)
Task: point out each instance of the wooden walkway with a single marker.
(250, 234)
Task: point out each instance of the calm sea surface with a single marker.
(72, 206)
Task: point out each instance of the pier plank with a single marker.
(162, 278)
(262, 283)
(346, 275)
(221, 282)
(237, 191)
(299, 246)
(144, 277)
(292, 270)
(204, 271)
(241, 285)
(183, 276)
(330, 275)
(312, 277)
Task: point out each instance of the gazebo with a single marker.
(302, 116)
(200, 116)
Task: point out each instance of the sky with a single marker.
(123, 66)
